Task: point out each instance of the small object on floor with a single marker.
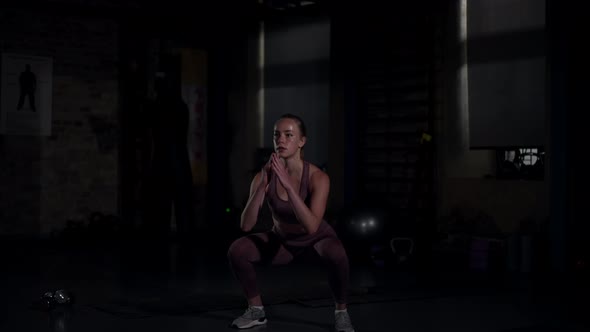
(62, 296)
(252, 317)
(46, 302)
(50, 300)
(343, 323)
(402, 248)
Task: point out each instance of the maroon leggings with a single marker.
(272, 248)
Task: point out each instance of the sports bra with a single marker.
(281, 209)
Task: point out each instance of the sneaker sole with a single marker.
(251, 324)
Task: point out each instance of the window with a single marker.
(521, 163)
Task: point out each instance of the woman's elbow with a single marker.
(313, 229)
(245, 226)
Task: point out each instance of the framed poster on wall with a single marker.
(26, 95)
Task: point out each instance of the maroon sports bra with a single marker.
(281, 209)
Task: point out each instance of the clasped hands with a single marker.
(277, 166)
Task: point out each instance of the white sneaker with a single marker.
(343, 323)
(252, 317)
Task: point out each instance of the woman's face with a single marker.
(287, 138)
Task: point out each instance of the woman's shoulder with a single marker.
(316, 174)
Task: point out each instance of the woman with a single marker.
(296, 192)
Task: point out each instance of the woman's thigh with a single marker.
(265, 248)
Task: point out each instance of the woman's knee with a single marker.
(238, 248)
(332, 250)
(243, 248)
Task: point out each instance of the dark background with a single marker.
(383, 100)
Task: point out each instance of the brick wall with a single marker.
(49, 180)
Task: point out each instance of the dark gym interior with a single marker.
(451, 132)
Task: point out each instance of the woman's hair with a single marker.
(300, 124)
(299, 121)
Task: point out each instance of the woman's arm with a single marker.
(311, 217)
(258, 189)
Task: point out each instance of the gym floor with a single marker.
(168, 288)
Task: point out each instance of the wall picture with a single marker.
(26, 95)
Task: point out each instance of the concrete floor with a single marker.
(128, 289)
